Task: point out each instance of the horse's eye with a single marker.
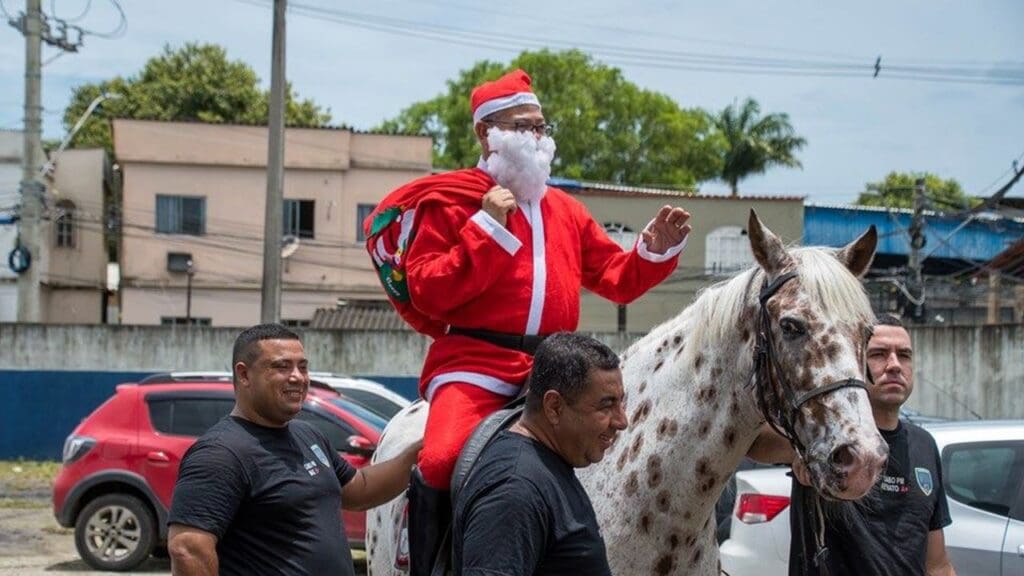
(792, 328)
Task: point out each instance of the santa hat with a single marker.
(512, 89)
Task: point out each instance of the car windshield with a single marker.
(361, 412)
(379, 404)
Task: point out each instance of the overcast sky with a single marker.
(858, 128)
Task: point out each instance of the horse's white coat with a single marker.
(693, 417)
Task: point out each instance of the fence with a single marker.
(52, 376)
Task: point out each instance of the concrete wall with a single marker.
(969, 371)
(53, 376)
(958, 369)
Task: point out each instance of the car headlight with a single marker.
(77, 446)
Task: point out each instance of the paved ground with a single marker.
(33, 544)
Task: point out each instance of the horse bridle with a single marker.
(778, 402)
(780, 405)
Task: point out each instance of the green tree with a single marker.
(897, 191)
(608, 129)
(196, 82)
(754, 143)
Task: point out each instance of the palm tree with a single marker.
(755, 143)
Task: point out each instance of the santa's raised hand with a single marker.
(668, 229)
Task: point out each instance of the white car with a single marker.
(982, 472)
(369, 393)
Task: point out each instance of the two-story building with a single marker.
(193, 217)
(72, 258)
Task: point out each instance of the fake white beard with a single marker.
(520, 162)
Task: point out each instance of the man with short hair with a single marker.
(896, 529)
(261, 493)
(487, 261)
(522, 511)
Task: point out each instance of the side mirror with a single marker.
(360, 446)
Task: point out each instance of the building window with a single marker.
(727, 250)
(181, 215)
(64, 224)
(183, 321)
(363, 212)
(298, 218)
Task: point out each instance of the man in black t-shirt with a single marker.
(522, 511)
(896, 529)
(260, 493)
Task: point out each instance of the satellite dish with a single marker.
(289, 244)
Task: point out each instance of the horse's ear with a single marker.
(766, 246)
(857, 255)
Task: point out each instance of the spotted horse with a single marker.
(782, 341)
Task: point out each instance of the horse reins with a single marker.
(780, 405)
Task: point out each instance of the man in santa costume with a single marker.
(487, 261)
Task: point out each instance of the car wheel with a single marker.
(115, 532)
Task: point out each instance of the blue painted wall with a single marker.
(38, 409)
(979, 240)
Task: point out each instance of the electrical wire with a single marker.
(53, 10)
(665, 59)
(117, 32)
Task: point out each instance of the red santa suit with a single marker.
(447, 263)
(464, 269)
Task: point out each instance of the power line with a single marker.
(677, 60)
(53, 10)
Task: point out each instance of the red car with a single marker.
(121, 462)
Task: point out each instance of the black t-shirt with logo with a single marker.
(886, 532)
(272, 496)
(523, 512)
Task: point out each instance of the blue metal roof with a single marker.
(978, 238)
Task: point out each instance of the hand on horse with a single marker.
(499, 203)
(668, 229)
(800, 471)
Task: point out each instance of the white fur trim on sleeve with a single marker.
(646, 254)
(495, 230)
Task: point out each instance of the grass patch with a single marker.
(8, 503)
(58, 530)
(27, 475)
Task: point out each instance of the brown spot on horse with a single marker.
(664, 501)
(664, 565)
(640, 414)
(634, 450)
(632, 484)
(653, 471)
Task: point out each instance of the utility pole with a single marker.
(32, 188)
(915, 282)
(270, 304)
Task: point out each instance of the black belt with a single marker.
(522, 342)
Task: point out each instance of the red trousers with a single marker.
(455, 410)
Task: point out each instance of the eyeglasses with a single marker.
(542, 129)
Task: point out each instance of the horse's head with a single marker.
(813, 321)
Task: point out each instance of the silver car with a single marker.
(982, 472)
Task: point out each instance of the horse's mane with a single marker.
(717, 307)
